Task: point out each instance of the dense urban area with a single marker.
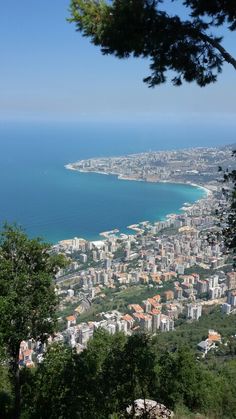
(161, 275)
(192, 165)
(139, 323)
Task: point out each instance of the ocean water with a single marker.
(38, 193)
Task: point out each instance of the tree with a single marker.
(114, 370)
(51, 390)
(100, 382)
(27, 297)
(228, 373)
(182, 381)
(227, 213)
(143, 28)
(95, 388)
(129, 373)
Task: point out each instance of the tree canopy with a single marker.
(227, 212)
(113, 371)
(146, 28)
(27, 298)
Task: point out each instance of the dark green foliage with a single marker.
(92, 395)
(128, 373)
(220, 11)
(227, 214)
(27, 297)
(177, 378)
(70, 386)
(191, 333)
(228, 374)
(142, 29)
(51, 391)
(6, 393)
(183, 382)
(115, 370)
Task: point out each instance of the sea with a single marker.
(48, 201)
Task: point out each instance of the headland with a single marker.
(197, 167)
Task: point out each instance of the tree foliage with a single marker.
(51, 391)
(227, 213)
(182, 382)
(145, 28)
(115, 370)
(27, 297)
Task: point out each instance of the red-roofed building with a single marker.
(139, 316)
(214, 336)
(129, 320)
(157, 298)
(153, 302)
(136, 307)
(155, 311)
(71, 320)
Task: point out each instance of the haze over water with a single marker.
(49, 201)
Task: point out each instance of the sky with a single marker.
(49, 71)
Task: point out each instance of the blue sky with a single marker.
(49, 71)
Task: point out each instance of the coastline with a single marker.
(70, 166)
(104, 235)
(204, 188)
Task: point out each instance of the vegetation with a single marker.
(116, 299)
(228, 215)
(191, 333)
(115, 370)
(148, 29)
(27, 297)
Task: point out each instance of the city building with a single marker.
(194, 311)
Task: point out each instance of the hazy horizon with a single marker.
(49, 72)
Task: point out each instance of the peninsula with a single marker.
(196, 166)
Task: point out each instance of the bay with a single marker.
(37, 192)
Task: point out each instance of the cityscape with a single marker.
(192, 165)
(159, 273)
(118, 209)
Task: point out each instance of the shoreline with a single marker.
(204, 188)
(207, 193)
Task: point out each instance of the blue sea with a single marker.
(38, 193)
